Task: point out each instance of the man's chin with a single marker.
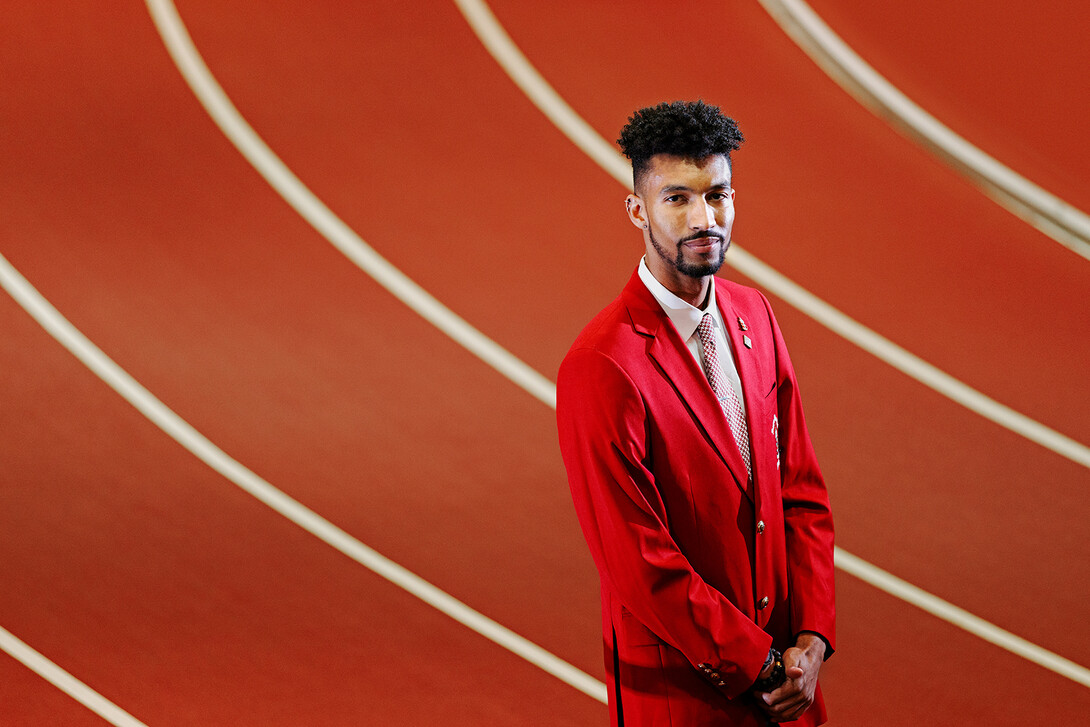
(700, 268)
(699, 271)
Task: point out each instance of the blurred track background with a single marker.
(181, 599)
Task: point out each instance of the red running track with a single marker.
(184, 601)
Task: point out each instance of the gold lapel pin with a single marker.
(742, 325)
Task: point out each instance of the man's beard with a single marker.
(693, 270)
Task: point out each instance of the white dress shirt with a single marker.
(686, 319)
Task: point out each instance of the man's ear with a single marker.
(636, 212)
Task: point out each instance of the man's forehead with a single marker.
(669, 171)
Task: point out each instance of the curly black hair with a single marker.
(690, 129)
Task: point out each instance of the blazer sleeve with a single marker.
(602, 422)
(808, 521)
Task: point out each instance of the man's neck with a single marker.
(693, 291)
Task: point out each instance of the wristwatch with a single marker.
(776, 678)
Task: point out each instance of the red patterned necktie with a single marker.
(723, 390)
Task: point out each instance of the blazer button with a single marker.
(762, 604)
(760, 526)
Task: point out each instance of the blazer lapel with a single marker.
(748, 363)
(684, 374)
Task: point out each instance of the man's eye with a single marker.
(674, 198)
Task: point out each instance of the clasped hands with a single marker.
(801, 663)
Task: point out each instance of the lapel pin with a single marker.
(745, 340)
(742, 325)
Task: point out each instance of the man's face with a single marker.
(687, 206)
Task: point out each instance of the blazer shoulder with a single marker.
(741, 296)
(748, 302)
(611, 332)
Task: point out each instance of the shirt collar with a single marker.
(685, 317)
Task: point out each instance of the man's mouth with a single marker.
(704, 243)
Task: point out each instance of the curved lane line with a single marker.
(201, 447)
(223, 112)
(1057, 219)
(64, 681)
(946, 611)
(522, 72)
(314, 211)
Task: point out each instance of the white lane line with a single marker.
(314, 211)
(183, 46)
(910, 364)
(508, 55)
(1051, 215)
(898, 588)
(201, 447)
(64, 681)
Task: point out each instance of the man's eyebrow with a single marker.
(682, 188)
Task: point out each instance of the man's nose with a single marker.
(701, 216)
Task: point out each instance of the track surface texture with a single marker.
(183, 600)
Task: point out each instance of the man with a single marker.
(690, 464)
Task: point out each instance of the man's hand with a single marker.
(801, 665)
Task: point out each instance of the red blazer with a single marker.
(687, 552)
